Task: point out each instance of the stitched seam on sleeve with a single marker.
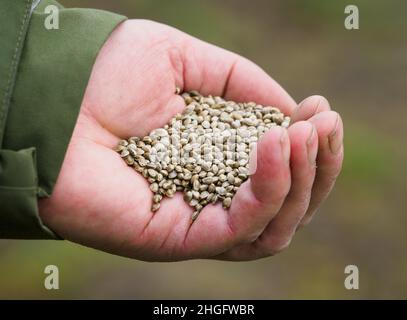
(13, 67)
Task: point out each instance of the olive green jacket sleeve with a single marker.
(46, 57)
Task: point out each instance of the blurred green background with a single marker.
(305, 47)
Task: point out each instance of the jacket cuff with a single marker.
(19, 212)
(52, 76)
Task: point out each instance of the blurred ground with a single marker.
(304, 46)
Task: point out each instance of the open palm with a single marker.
(100, 202)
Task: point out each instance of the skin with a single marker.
(100, 202)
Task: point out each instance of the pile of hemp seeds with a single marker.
(203, 152)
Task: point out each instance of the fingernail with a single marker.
(297, 110)
(285, 148)
(300, 104)
(253, 160)
(334, 139)
(317, 106)
(311, 152)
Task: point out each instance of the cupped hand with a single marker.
(99, 201)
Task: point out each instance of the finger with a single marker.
(258, 200)
(268, 186)
(278, 234)
(310, 107)
(254, 205)
(216, 71)
(329, 160)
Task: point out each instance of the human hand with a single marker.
(99, 201)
